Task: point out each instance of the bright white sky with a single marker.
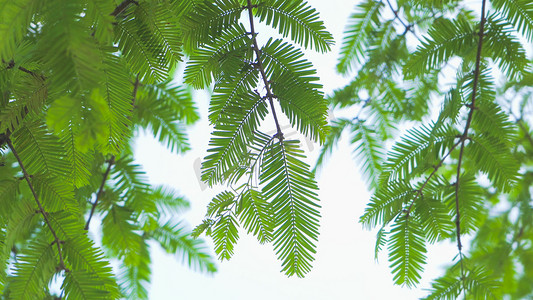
(344, 266)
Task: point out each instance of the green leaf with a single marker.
(40, 151)
(176, 239)
(255, 215)
(502, 46)
(297, 19)
(225, 234)
(15, 17)
(519, 13)
(446, 39)
(495, 159)
(357, 34)
(234, 131)
(33, 270)
(407, 251)
(291, 189)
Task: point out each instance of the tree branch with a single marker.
(41, 209)
(435, 169)
(259, 65)
(472, 107)
(122, 6)
(100, 191)
(408, 27)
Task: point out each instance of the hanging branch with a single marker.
(110, 162)
(408, 27)
(435, 169)
(56, 241)
(259, 65)
(464, 137)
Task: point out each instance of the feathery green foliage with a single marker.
(78, 78)
(461, 174)
(273, 192)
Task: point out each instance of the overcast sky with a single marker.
(344, 266)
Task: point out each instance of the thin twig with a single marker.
(259, 65)
(57, 242)
(100, 191)
(472, 107)
(408, 27)
(122, 6)
(435, 169)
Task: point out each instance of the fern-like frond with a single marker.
(74, 56)
(228, 92)
(176, 239)
(8, 192)
(80, 285)
(161, 109)
(335, 133)
(357, 34)
(225, 234)
(519, 13)
(148, 41)
(381, 241)
(306, 108)
(15, 17)
(489, 119)
(207, 20)
(79, 161)
(255, 215)
(495, 159)
(418, 150)
(435, 217)
(207, 62)
(168, 201)
(135, 272)
(502, 46)
(448, 287)
(119, 231)
(387, 203)
(369, 151)
(178, 97)
(407, 251)
(55, 194)
(471, 198)
(234, 131)
(291, 189)
(117, 92)
(129, 178)
(27, 95)
(40, 151)
(82, 256)
(446, 39)
(297, 19)
(33, 270)
(98, 14)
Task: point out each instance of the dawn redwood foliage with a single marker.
(461, 173)
(79, 78)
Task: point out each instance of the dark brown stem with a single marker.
(259, 64)
(100, 191)
(57, 242)
(435, 169)
(135, 89)
(472, 107)
(408, 27)
(122, 6)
